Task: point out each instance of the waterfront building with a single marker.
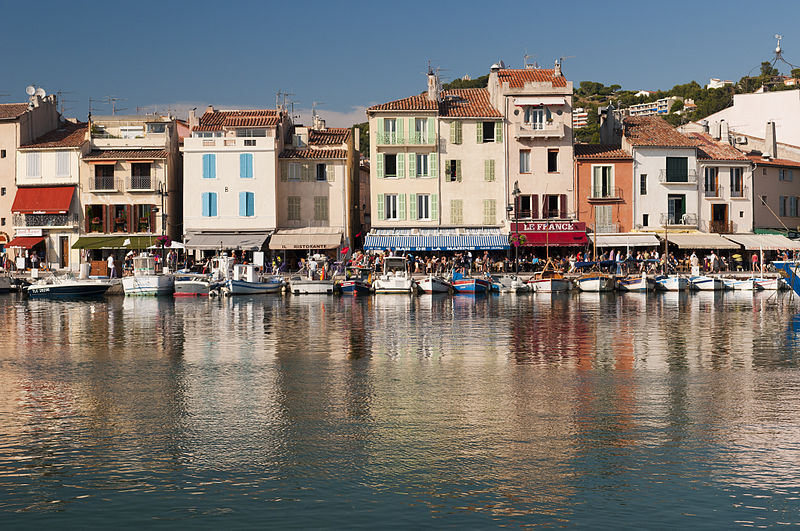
(47, 208)
(20, 123)
(776, 194)
(130, 183)
(660, 106)
(604, 187)
(231, 181)
(318, 192)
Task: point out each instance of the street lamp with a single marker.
(516, 193)
(162, 191)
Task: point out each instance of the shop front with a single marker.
(553, 234)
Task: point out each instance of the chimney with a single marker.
(210, 108)
(725, 133)
(770, 141)
(192, 122)
(433, 86)
(705, 126)
(557, 69)
(318, 124)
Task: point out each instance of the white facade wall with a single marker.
(740, 209)
(652, 161)
(334, 189)
(48, 176)
(751, 112)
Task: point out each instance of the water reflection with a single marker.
(531, 409)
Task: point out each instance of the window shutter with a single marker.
(129, 211)
(285, 172)
(380, 132)
(152, 216)
(88, 218)
(563, 213)
(306, 173)
(330, 172)
(459, 132)
(498, 131)
(431, 131)
(456, 212)
(479, 128)
(491, 169)
(401, 166)
(214, 204)
(400, 137)
(412, 165)
(412, 206)
(205, 202)
(453, 135)
(246, 165)
(242, 204)
(62, 163)
(432, 167)
(488, 170)
(401, 208)
(458, 170)
(492, 211)
(447, 169)
(486, 212)
(412, 131)
(380, 165)
(324, 207)
(435, 207)
(535, 206)
(381, 212)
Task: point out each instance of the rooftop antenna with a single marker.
(62, 101)
(112, 100)
(526, 63)
(314, 106)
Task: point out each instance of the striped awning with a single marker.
(437, 242)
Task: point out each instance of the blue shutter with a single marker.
(205, 204)
(251, 204)
(246, 165)
(209, 166)
(212, 206)
(242, 204)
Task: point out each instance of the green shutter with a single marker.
(305, 173)
(491, 169)
(412, 165)
(459, 132)
(330, 172)
(412, 131)
(381, 213)
(380, 165)
(485, 211)
(486, 176)
(492, 211)
(453, 135)
(285, 172)
(379, 132)
(447, 169)
(401, 166)
(479, 128)
(435, 207)
(431, 131)
(432, 167)
(401, 207)
(458, 170)
(400, 139)
(498, 131)
(412, 206)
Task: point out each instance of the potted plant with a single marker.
(144, 224)
(518, 240)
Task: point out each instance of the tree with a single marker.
(677, 105)
(478, 82)
(767, 70)
(796, 73)
(363, 138)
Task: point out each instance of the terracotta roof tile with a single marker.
(314, 154)
(10, 111)
(468, 103)
(654, 131)
(778, 163)
(710, 149)
(600, 151)
(414, 103)
(217, 120)
(516, 78)
(127, 154)
(330, 136)
(69, 135)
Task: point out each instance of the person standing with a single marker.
(754, 260)
(112, 267)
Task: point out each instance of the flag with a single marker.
(127, 242)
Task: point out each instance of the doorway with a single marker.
(63, 245)
(676, 208)
(719, 218)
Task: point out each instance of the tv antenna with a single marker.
(112, 100)
(314, 106)
(526, 63)
(62, 101)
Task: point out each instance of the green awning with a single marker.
(114, 242)
(769, 231)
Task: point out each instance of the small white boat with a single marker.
(67, 287)
(636, 283)
(595, 282)
(747, 284)
(509, 284)
(306, 286)
(672, 283)
(246, 281)
(706, 283)
(194, 285)
(395, 277)
(146, 280)
(769, 284)
(435, 284)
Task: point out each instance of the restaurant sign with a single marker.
(556, 233)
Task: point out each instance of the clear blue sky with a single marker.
(350, 55)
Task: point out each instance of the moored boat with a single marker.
(434, 284)
(395, 277)
(739, 284)
(671, 283)
(67, 287)
(706, 283)
(146, 280)
(469, 285)
(194, 285)
(636, 283)
(246, 281)
(356, 281)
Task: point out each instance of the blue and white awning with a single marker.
(436, 241)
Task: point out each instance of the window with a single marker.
(249, 142)
(209, 166)
(422, 165)
(140, 176)
(677, 169)
(246, 165)
(603, 218)
(3, 190)
(676, 208)
(157, 128)
(246, 204)
(764, 200)
(535, 117)
(251, 132)
(711, 181)
(793, 206)
(489, 211)
(552, 160)
(131, 131)
(456, 211)
(294, 171)
(486, 131)
(390, 206)
(423, 206)
(452, 170)
(34, 165)
(390, 131)
(2, 153)
(144, 218)
(3, 222)
(643, 184)
(646, 220)
(737, 190)
(421, 130)
(781, 205)
(527, 207)
(488, 170)
(62, 164)
(455, 132)
(524, 161)
(602, 181)
(550, 206)
(209, 204)
(293, 211)
(104, 177)
(322, 172)
(390, 165)
(321, 208)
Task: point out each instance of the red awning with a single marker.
(25, 242)
(45, 200)
(552, 233)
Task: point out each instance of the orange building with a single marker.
(604, 192)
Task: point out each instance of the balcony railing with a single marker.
(606, 192)
(741, 193)
(421, 139)
(539, 130)
(385, 138)
(142, 183)
(689, 220)
(673, 177)
(105, 184)
(722, 227)
(715, 192)
(46, 220)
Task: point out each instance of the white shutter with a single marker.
(62, 164)
(34, 165)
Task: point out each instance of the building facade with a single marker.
(604, 188)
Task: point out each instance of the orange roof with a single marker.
(414, 103)
(11, 111)
(314, 154)
(654, 131)
(468, 103)
(329, 136)
(710, 149)
(69, 135)
(778, 163)
(516, 78)
(127, 154)
(600, 151)
(217, 120)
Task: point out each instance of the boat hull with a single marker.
(151, 285)
(193, 288)
(704, 283)
(748, 284)
(549, 285)
(394, 285)
(637, 284)
(355, 287)
(434, 285)
(595, 283)
(242, 287)
(71, 291)
(672, 283)
(470, 286)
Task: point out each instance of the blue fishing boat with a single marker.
(790, 268)
(356, 281)
(469, 285)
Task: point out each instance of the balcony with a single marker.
(145, 140)
(46, 220)
(684, 178)
(389, 139)
(741, 193)
(556, 130)
(100, 184)
(716, 192)
(722, 227)
(607, 194)
(421, 139)
(140, 183)
(679, 221)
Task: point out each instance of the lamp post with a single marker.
(516, 193)
(162, 191)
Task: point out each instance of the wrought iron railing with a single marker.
(714, 192)
(741, 193)
(140, 182)
(45, 220)
(606, 192)
(677, 177)
(682, 219)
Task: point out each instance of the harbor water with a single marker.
(579, 409)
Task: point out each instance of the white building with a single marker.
(715, 83)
